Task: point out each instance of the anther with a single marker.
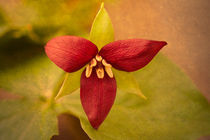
(100, 72)
(105, 63)
(88, 71)
(109, 72)
(108, 68)
(98, 58)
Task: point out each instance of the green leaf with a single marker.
(27, 120)
(70, 83)
(127, 83)
(31, 80)
(33, 117)
(102, 31)
(175, 109)
(26, 72)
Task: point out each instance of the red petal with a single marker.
(70, 52)
(97, 97)
(132, 54)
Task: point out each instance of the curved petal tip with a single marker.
(97, 97)
(130, 55)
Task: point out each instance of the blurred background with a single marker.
(26, 25)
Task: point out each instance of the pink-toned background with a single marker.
(184, 24)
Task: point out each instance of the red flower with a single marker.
(98, 86)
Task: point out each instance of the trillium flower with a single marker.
(97, 85)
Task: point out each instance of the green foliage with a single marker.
(31, 76)
(127, 83)
(70, 84)
(174, 108)
(44, 19)
(26, 120)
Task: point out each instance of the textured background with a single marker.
(184, 24)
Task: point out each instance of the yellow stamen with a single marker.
(105, 63)
(89, 67)
(100, 72)
(98, 58)
(108, 68)
(88, 71)
(109, 72)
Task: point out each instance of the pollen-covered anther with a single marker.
(108, 68)
(88, 71)
(89, 67)
(100, 65)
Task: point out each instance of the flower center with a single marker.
(100, 64)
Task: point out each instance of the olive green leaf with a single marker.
(27, 120)
(102, 31)
(71, 83)
(127, 82)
